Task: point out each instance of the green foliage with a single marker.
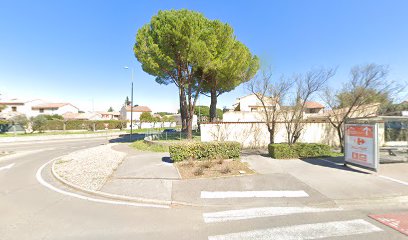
(172, 39)
(127, 101)
(110, 109)
(204, 112)
(298, 150)
(20, 120)
(393, 109)
(162, 114)
(346, 98)
(39, 123)
(146, 117)
(53, 117)
(81, 124)
(4, 122)
(204, 150)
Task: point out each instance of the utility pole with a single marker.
(131, 107)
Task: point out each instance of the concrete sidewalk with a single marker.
(326, 181)
(143, 175)
(334, 180)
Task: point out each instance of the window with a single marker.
(41, 110)
(254, 109)
(14, 109)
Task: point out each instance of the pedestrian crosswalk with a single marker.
(254, 194)
(305, 231)
(298, 224)
(251, 213)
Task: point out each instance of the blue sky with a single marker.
(74, 51)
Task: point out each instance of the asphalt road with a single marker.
(29, 210)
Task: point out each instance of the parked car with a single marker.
(169, 130)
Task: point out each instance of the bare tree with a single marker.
(270, 94)
(306, 86)
(360, 96)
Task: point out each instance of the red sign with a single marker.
(361, 145)
(360, 131)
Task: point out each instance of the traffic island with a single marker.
(212, 168)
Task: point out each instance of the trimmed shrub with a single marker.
(298, 150)
(204, 150)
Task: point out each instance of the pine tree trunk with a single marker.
(213, 105)
(183, 109)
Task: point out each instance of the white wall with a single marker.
(254, 135)
(152, 125)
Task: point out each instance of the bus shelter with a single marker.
(372, 141)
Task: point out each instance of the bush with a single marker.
(39, 123)
(204, 150)
(298, 150)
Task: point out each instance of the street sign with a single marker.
(361, 145)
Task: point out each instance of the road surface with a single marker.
(30, 210)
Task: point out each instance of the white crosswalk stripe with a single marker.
(252, 213)
(305, 231)
(254, 194)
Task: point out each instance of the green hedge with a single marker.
(204, 150)
(298, 150)
(84, 124)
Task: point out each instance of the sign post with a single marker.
(361, 145)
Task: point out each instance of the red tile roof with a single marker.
(138, 109)
(50, 105)
(311, 104)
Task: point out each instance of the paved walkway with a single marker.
(326, 182)
(143, 175)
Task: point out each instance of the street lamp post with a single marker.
(131, 107)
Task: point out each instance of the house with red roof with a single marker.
(54, 108)
(126, 111)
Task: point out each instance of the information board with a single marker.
(361, 146)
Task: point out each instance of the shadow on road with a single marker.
(126, 138)
(332, 162)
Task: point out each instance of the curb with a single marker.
(115, 196)
(389, 201)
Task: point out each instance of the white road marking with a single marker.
(251, 213)
(7, 167)
(305, 231)
(254, 194)
(394, 180)
(46, 184)
(23, 153)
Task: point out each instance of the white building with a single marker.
(54, 108)
(250, 109)
(109, 115)
(125, 112)
(14, 107)
(32, 108)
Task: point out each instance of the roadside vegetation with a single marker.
(300, 150)
(208, 159)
